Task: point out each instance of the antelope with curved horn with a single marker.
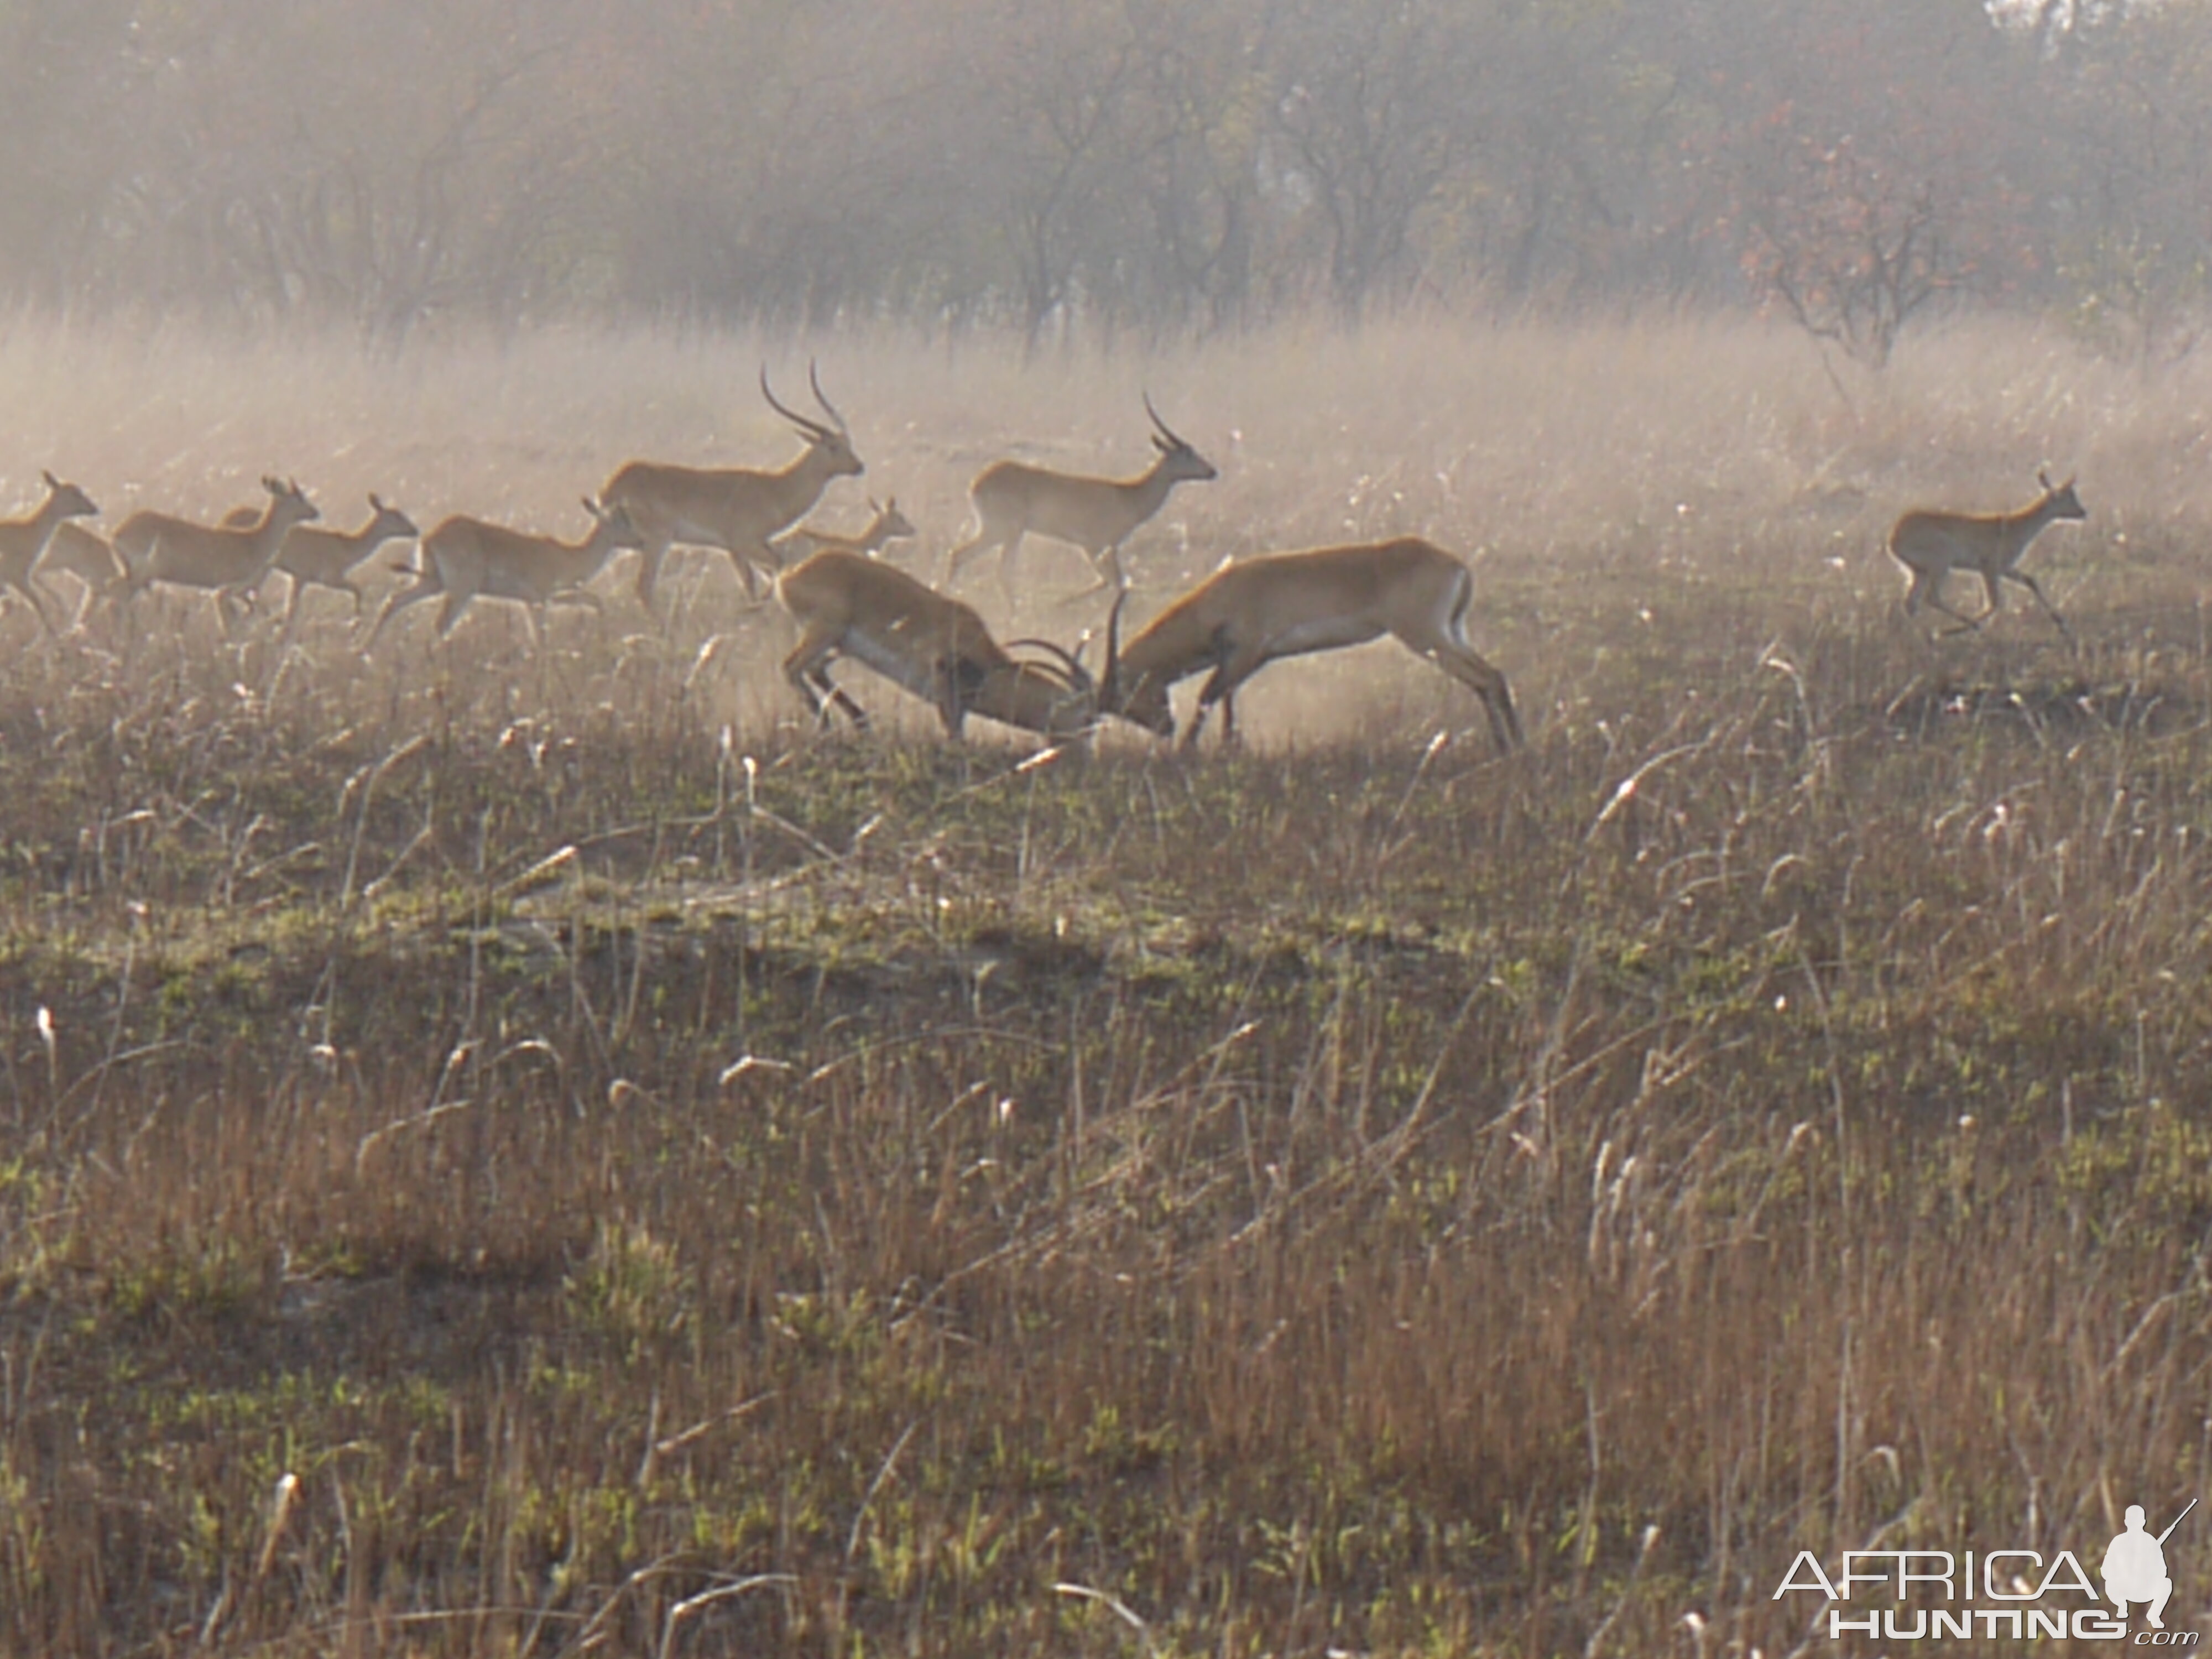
(1931, 545)
(1013, 499)
(890, 525)
(23, 542)
(846, 604)
(731, 508)
(228, 561)
(466, 559)
(1249, 613)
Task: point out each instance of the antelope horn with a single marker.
(815, 381)
(813, 428)
(1077, 676)
(1058, 675)
(1174, 438)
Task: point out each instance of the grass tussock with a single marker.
(511, 1154)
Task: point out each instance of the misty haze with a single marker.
(700, 957)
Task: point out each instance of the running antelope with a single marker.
(846, 604)
(1013, 499)
(87, 557)
(466, 559)
(23, 542)
(890, 525)
(1247, 614)
(735, 510)
(226, 560)
(314, 557)
(1931, 545)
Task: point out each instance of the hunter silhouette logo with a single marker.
(1917, 1595)
(2134, 1566)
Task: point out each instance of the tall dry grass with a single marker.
(545, 1155)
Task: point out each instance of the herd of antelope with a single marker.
(845, 602)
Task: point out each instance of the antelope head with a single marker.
(833, 443)
(288, 502)
(1145, 704)
(890, 523)
(66, 501)
(390, 524)
(1178, 459)
(1054, 695)
(2059, 500)
(612, 524)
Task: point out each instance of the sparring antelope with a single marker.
(23, 542)
(890, 525)
(1012, 499)
(466, 559)
(846, 604)
(731, 508)
(1931, 545)
(228, 560)
(314, 557)
(1247, 614)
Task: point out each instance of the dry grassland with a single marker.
(546, 1155)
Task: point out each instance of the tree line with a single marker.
(1166, 168)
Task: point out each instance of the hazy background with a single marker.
(508, 1146)
(1108, 166)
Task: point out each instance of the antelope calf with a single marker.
(731, 508)
(228, 561)
(313, 557)
(1013, 499)
(1249, 613)
(466, 559)
(23, 542)
(890, 525)
(1931, 545)
(849, 605)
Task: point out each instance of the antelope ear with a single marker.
(2042, 478)
(52, 483)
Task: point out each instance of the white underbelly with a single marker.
(898, 667)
